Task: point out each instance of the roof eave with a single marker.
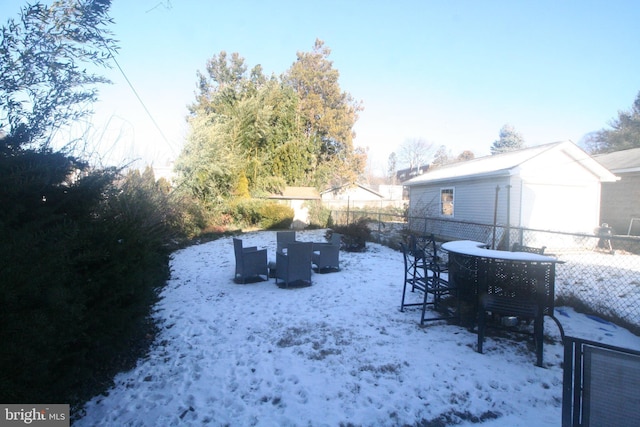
(469, 177)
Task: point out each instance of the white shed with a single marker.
(550, 187)
(361, 196)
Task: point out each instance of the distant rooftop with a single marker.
(620, 161)
(504, 164)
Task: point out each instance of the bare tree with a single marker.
(415, 152)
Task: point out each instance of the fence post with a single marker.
(495, 217)
(508, 241)
(348, 203)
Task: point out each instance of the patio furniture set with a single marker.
(294, 260)
(514, 290)
(482, 288)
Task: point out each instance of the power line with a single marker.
(135, 92)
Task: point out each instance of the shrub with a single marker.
(319, 216)
(276, 216)
(260, 213)
(355, 235)
(245, 212)
(81, 263)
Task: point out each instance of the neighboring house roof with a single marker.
(505, 164)
(620, 161)
(297, 193)
(346, 187)
(408, 173)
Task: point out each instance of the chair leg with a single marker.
(404, 291)
(481, 327)
(424, 306)
(538, 331)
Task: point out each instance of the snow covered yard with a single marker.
(336, 353)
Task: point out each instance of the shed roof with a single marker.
(505, 163)
(297, 193)
(346, 187)
(620, 161)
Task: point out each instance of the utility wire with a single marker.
(135, 92)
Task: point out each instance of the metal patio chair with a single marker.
(516, 293)
(422, 274)
(517, 247)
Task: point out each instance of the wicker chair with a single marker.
(294, 266)
(251, 262)
(283, 238)
(326, 256)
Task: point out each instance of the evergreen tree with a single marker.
(442, 157)
(82, 252)
(510, 140)
(296, 130)
(326, 116)
(624, 132)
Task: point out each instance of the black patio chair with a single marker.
(423, 275)
(518, 247)
(251, 262)
(515, 294)
(437, 259)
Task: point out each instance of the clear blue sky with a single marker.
(451, 72)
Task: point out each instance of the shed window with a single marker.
(446, 202)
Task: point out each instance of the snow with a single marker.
(469, 247)
(336, 353)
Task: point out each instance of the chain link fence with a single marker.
(599, 273)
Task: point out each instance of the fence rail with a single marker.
(600, 273)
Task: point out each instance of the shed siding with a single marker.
(557, 193)
(621, 202)
(474, 201)
(556, 189)
(571, 208)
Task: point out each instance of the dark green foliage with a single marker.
(319, 216)
(81, 260)
(355, 235)
(83, 251)
(293, 130)
(624, 132)
(260, 214)
(276, 216)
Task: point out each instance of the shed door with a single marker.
(560, 207)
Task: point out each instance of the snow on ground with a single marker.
(336, 353)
